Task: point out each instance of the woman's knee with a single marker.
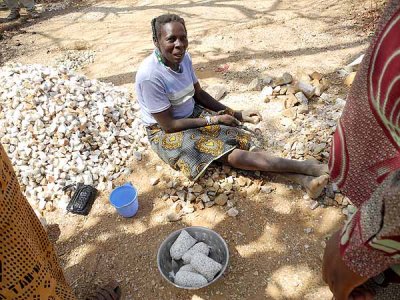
(235, 158)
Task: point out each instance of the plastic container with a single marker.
(125, 200)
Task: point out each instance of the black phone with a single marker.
(82, 199)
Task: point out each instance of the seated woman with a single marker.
(188, 129)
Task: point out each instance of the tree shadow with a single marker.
(263, 240)
(180, 8)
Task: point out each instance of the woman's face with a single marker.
(173, 43)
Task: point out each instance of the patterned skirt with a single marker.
(191, 151)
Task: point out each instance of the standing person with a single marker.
(29, 267)
(15, 5)
(189, 129)
(364, 256)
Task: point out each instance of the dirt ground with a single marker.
(273, 254)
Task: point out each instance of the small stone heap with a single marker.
(60, 128)
(221, 186)
(307, 117)
(307, 114)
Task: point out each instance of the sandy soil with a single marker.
(272, 256)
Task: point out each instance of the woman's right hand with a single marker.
(227, 120)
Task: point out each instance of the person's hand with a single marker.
(227, 120)
(343, 282)
(361, 293)
(251, 116)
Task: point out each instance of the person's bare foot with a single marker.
(315, 185)
(314, 168)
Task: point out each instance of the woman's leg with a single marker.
(261, 161)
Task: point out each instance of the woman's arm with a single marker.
(169, 124)
(204, 99)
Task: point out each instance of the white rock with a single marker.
(233, 212)
(356, 62)
(314, 204)
(216, 91)
(266, 189)
(154, 180)
(42, 204)
(307, 89)
(308, 230)
(302, 98)
(188, 268)
(173, 217)
(189, 279)
(266, 92)
(205, 198)
(205, 265)
(197, 248)
(182, 244)
(340, 102)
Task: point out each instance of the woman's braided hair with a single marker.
(156, 23)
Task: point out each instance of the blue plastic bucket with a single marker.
(124, 199)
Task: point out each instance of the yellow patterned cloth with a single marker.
(191, 151)
(29, 267)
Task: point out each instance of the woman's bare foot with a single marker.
(314, 168)
(315, 185)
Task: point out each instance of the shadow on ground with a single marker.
(268, 256)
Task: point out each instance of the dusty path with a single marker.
(274, 253)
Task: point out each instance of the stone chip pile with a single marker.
(60, 128)
(307, 114)
(220, 186)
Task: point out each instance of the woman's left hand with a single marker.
(251, 116)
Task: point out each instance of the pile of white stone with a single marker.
(60, 128)
(76, 59)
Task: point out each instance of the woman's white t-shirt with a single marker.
(158, 88)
